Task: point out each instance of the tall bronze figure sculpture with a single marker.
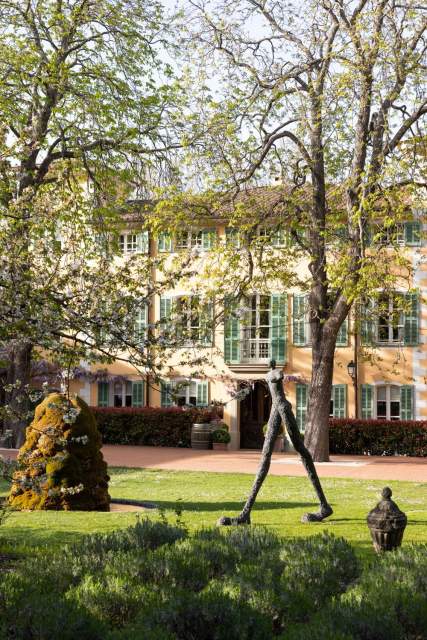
(281, 411)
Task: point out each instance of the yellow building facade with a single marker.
(387, 353)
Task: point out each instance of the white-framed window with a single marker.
(188, 239)
(184, 392)
(187, 318)
(133, 243)
(256, 329)
(273, 236)
(390, 321)
(121, 393)
(192, 238)
(301, 328)
(405, 233)
(186, 313)
(387, 401)
(140, 323)
(394, 234)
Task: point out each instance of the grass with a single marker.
(204, 497)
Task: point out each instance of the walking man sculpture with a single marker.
(281, 411)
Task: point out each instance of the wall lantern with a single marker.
(351, 369)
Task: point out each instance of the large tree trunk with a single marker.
(317, 423)
(17, 400)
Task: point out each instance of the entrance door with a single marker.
(254, 413)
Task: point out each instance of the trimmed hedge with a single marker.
(378, 437)
(158, 427)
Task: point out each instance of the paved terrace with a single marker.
(244, 461)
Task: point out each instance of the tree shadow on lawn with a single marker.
(25, 539)
(185, 505)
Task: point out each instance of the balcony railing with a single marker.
(256, 350)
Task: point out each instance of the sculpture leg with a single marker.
(274, 423)
(287, 415)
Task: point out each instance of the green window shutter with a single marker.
(206, 328)
(411, 319)
(164, 242)
(279, 327)
(299, 334)
(407, 402)
(339, 396)
(166, 394)
(202, 393)
(138, 393)
(101, 244)
(342, 335)
(208, 238)
(231, 334)
(367, 401)
(103, 394)
(165, 316)
(232, 237)
(413, 233)
(140, 323)
(165, 309)
(142, 242)
(301, 405)
(367, 325)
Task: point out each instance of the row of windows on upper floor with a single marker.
(203, 239)
(402, 234)
(378, 402)
(258, 331)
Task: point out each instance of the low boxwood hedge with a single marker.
(378, 437)
(158, 427)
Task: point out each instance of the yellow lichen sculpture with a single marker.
(60, 465)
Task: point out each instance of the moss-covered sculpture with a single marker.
(60, 465)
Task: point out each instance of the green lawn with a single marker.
(204, 497)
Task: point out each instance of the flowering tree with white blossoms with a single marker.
(88, 115)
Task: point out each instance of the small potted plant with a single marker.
(279, 444)
(220, 439)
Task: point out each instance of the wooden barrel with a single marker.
(201, 436)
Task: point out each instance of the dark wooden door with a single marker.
(254, 412)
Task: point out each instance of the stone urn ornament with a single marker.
(386, 523)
